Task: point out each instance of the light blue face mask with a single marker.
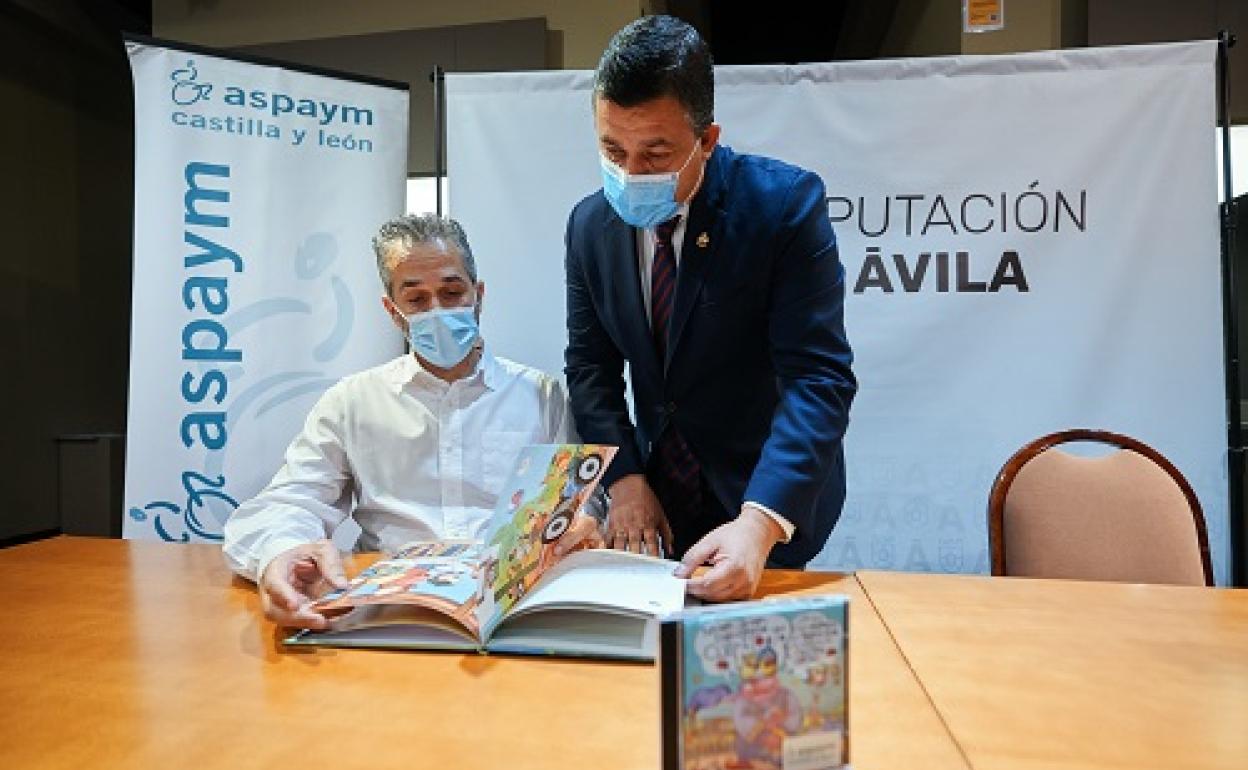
(444, 336)
(642, 200)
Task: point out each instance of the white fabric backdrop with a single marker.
(1108, 155)
(257, 189)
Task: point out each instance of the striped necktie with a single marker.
(662, 283)
(676, 474)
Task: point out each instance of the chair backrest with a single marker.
(1126, 516)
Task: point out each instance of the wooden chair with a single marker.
(1127, 516)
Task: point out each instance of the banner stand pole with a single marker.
(438, 76)
(1235, 445)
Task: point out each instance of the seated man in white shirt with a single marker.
(414, 449)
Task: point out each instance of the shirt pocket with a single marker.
(499, 451)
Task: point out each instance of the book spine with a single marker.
(845, 681)
(670, 679)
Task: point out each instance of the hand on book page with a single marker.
(737, 552)
(294, 578)
(444, 576)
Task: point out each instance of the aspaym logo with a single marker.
(206, 508)
(187, 89)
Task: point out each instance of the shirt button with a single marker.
(669, 408)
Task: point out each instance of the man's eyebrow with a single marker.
(649, 144)
(445, 279)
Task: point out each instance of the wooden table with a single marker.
(1064, 674)
(124, 654)
(136, 655)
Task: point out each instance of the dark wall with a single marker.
(1122, 22)
(66, 203)
(832, 30)
(408, 56)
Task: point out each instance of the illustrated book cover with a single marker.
(756, 685)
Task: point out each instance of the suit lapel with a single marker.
(620, 246)
(702, 239)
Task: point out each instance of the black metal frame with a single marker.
(226, 53)
(1230, 320)
(438, 76)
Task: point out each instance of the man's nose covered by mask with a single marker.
(443, 336)
(642, 200)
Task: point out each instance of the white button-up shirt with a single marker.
(410, 456)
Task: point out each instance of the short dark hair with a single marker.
(402, 234)
(657, 56)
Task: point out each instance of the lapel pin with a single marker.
(703, 241)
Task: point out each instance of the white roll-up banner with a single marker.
(257, 189)
(1030, 241)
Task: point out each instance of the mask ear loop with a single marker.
(701, 173)
(696, 146)
(393, 309)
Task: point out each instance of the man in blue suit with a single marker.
(715, 276)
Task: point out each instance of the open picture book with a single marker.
(509, 593)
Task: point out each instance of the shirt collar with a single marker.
(491, 372)
(408, 368)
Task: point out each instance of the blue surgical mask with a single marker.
(444, 336)
(642, 200)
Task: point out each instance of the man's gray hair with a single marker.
(401, 234)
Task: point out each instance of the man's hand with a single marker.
(636, 522)
(584, 533)
(296, 578)
(737, 552)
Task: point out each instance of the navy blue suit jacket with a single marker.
(757, 375)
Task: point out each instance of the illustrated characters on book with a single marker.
(443, 574)
(543, 508)
(755, 682)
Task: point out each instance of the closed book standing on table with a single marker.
(756, 685)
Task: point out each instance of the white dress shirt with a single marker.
(645, 264)
(408, 455)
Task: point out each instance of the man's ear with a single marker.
(710, 138)
(480, 298)
(392, 310)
